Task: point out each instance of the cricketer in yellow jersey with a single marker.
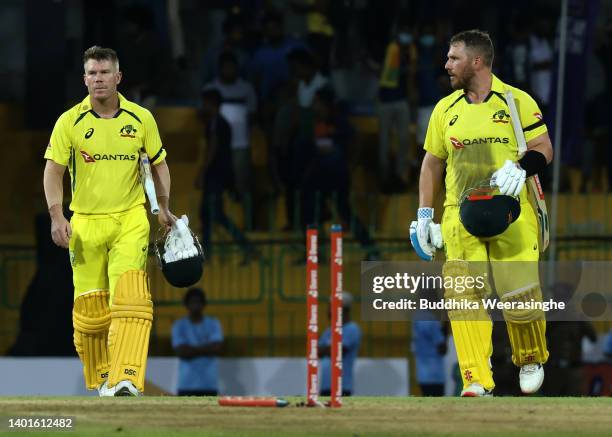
(470, 136)
(99, 140)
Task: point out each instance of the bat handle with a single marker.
(150, 189)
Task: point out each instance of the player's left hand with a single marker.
(180, 244)
(510, 179)
(425, 235)
(166, 218)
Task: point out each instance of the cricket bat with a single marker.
(534, 188)
(147, 182)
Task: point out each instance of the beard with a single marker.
(463, 81)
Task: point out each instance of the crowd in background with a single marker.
(268, 58)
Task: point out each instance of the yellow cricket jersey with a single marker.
(476, 139)
(102, 155)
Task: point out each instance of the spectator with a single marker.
(429, 348)
(237, 107)
(607, 346)
(143, 57)
(320, 30)
(233, 42)
(519, 55)
(541, 62)
(197, 340)
(269, 68)
(326, 173)
(429, 76)
(216, 175)
(310, 78)
(351, 340)
(396, 89)
(285, 170)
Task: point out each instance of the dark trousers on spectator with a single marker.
(212, 211)
(331, 183)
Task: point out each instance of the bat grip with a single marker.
(150, 189)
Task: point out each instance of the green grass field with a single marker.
(169, 416)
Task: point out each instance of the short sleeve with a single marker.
(58, 149)
(178, 336)
(532, 120)
(152, 141)
(434, 140)
(216, 335)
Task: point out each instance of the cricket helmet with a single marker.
(486, 213)
(183, 272)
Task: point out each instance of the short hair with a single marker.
(476, 40)
(194, 293)
(213, 95)
(101, 54)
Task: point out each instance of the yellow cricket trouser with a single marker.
(104, 246)
(513, 257)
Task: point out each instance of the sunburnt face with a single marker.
(459, 66)
(101, 78)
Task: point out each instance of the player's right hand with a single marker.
(510, 179)
(425, 235)
(61, 231)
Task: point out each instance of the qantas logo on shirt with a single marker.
(460, 144)
(87, 157)
(538, 116)
(104, 157)
(456, 143)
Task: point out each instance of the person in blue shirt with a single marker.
(351, 340)
(197, 340)
(429, 348)
(607, 347)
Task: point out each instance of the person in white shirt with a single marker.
(238, 107)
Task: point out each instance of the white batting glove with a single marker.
(179, 244)
(425, 235)
(510, 179)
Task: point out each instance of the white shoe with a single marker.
(531, 378)
(475, 391)
(104, 390)
(126, 388)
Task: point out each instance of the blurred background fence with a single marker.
(260, 301)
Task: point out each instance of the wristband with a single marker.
(533, 162)
(425, 213)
